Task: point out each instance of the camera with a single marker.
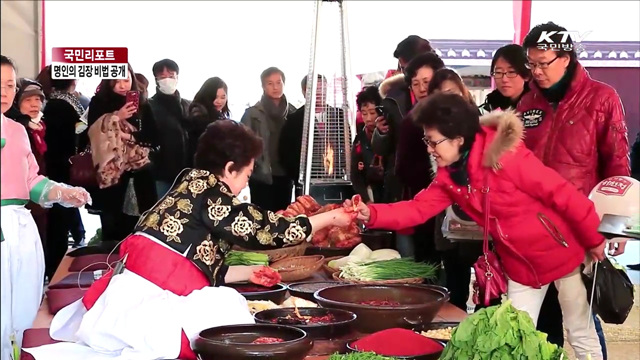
(382, 111)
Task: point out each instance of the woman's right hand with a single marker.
(126, 111)
(361, 209)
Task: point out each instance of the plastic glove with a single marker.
(64, 195)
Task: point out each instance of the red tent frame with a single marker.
(521, 20)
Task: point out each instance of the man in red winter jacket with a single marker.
(574, 124)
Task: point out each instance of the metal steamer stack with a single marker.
(328, 127)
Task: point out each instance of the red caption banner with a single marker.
(93, 55)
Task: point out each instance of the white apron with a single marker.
(135, 319)
(22, 273)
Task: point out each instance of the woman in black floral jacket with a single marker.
(174, 260)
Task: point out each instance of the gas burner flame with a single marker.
(327, 159)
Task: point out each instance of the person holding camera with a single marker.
(367, 167)
(397, 100)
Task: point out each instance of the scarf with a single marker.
(556, 93)
(38, 135)
(495, 100)
(458, 170)
(276, 112)
(70, 98)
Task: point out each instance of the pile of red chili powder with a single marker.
(397, 342)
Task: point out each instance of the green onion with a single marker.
(404, 268)
(245, 258)
(360, 356)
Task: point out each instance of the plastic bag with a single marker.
(613, 292)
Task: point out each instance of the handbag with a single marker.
(83, 172)
(491, 281)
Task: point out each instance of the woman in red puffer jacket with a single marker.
(533, 210)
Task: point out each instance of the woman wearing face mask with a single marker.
(510, 73)
(170, 112)
(133, 189)
(483, 166)
(208, 106)
(173, 284)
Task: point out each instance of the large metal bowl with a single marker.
(234, 342)
(276, 293)
(306, 289)
(419, 304)
(341, 326)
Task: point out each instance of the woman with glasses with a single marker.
(574, 124)
(528, 209)
(172, 284)
(411, 162)
(458, 257)
(510, 73)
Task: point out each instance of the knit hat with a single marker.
(28, 88)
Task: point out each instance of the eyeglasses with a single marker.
(433, 144)
(540, 65)
(500, 75)
(10, 88)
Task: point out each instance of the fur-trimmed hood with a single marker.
(509, 133)
(394, 81)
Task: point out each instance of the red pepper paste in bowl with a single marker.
(397, 342)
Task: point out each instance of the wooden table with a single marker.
(448, 313)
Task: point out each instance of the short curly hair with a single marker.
(368, 95)
(451, 114)
(224, 141)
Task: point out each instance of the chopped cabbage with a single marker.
(340, 263)
(384, 254)
(361, 252)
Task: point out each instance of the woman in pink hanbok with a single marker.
(21, 255)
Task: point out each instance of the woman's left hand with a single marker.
(617, 248)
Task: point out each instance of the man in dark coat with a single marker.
(170, 112)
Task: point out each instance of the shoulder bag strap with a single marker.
(487, 216)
